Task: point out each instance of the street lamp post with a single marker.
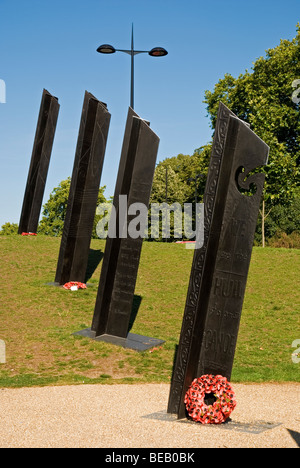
(155, 52)
(194, 179)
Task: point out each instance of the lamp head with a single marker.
(106, 49)
(158, 52)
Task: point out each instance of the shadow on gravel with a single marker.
(295, 435)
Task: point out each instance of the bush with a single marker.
(288, 241)
(9, 229)
(284, 219)
(281, 219)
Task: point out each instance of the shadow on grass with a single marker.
(134, 311)
(95, 257)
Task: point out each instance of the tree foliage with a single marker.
(263, 98)
(179, 178)
(54, 211)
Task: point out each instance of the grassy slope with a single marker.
(37, 321)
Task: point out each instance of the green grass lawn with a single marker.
(37, 321)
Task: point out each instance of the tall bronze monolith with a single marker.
(39, 165)
(122, 252)
(82, 202)
(220, 267)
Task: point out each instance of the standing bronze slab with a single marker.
(84, 189)
(112, 246)
(122, 252)
(219, 271)
(39, 164)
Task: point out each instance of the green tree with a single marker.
(180, 179)
(263, 98)
(284, 219)
(167, 185)
(54, 211)
(175, 177)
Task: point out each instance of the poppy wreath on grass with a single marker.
(29, 234)
(74, 285)
(210, 399)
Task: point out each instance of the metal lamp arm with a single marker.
(134, 52)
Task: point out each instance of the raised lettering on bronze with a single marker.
(226, 287)
(217, 342)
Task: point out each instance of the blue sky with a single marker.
(53, 45)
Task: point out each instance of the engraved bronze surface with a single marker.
(39, 165)
(220, 268)
(84, 189)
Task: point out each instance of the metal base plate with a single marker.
(255, 427)
(132, 341)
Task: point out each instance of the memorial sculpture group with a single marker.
(220, 266)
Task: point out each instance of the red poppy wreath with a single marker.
(210, 399)
(74, 285)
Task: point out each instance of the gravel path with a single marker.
(134, 416)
